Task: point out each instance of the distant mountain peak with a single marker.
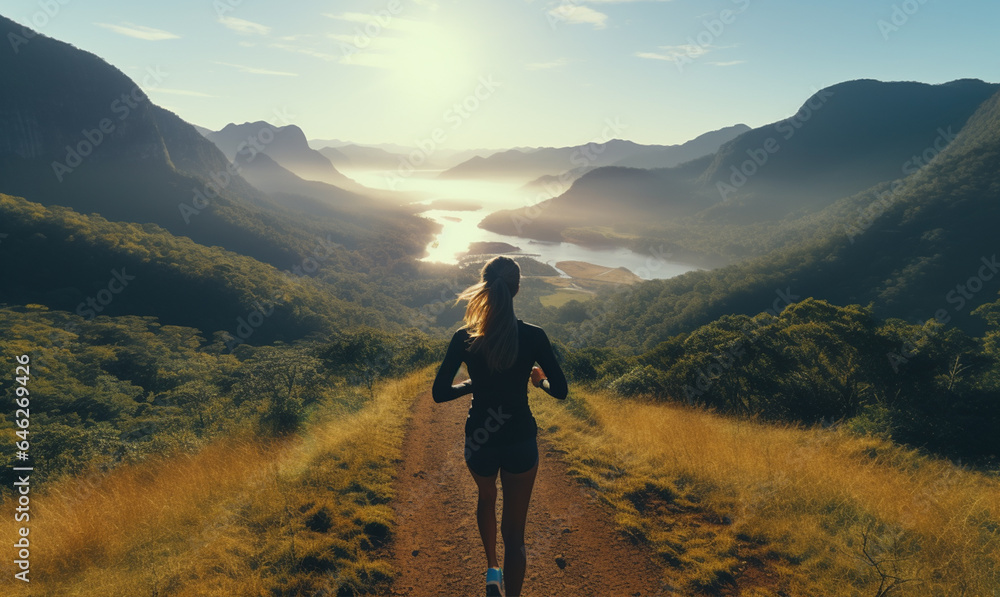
(532, 164)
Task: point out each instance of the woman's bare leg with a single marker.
(486, 515)
(516, 495)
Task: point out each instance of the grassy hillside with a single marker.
(740, 507)
(116, 391)
(241, 516)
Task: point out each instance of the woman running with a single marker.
(499, 352)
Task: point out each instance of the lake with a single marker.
(467, 202)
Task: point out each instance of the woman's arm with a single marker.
(442, 390)
(553, 372)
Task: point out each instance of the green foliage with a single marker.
(117, 389)
(283, 381)
(589, 364)
(929, 386)
(364, 355)
(572, 312)
(640, 381)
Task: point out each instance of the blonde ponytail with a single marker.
(489, 316)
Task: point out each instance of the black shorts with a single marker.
(516, 458)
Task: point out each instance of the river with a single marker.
(467, 202)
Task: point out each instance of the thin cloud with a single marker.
(579, 15)
(547, 65)
(677, 53)
(379, 43)
(139, 31)
(729, 63)
(306, 51)
(243, 26)
(257, 71)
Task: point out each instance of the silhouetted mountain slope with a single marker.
(76, 131)
(363, 215)
(440, 157)
(267, 175)
(336, 157)
(843, 140)
(532, 163)
(201, 130)
(919, 249)
(286, 145)
(657, 156)
(529, 164)
(288, 148)
(365, 158)
(595, 199)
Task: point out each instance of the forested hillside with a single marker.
(112, 151)
(910, 248)
(755, 189)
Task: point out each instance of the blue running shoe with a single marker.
(494, 580)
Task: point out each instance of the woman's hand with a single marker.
(537, 375)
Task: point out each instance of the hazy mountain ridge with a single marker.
(439, 158)
(286, 145)
(528, 164)
(80, 133)
(363, 158)
(909, 248)
(657, 156)
(843, 140)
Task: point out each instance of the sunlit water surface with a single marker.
(459, 227)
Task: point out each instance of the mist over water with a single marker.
(469, 201)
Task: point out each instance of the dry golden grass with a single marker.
(561, 297)
(597, 273)
(297, 516)
(740, 507)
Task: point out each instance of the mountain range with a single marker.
(892, 187)
(78, 132)
(360, 154)
(921, 248)
(286, 145)
(360, 157)
(843, 140)
(527, 164)
(87, 150)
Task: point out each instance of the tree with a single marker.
(283, 381)
(362, 356)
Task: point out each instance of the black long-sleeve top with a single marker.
(499, 411)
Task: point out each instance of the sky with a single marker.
(515, 73)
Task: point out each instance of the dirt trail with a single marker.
(437, 547)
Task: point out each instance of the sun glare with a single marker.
(433, 65)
